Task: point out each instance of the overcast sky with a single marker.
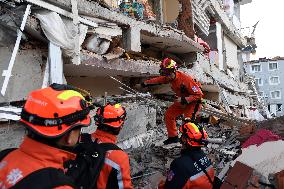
(270, 30)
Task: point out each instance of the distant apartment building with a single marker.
(269, 78)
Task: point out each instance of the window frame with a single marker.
(260, 68)
(257, 82)
(280, 109)
(273, 63)
(274, 83)
(277, 97)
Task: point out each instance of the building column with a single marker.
(219, 35)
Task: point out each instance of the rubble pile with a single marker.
(150, 163)
(223, 145)
(275, 125)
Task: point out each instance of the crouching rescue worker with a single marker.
(192, 170)
(187, 90)
(53, 117)
(115, 172)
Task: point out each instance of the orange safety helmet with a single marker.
(193, 135)
(53, 111)
(111, 115)
(168, 66)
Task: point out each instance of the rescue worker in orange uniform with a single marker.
(187, 90)
(53, 117)
(193, 169)
(116, 169)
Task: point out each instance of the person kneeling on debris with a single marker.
(115, 172)
(53, 117)
(187, 90)
(192, 169)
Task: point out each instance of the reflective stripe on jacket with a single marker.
(116, 170)
(185, 173)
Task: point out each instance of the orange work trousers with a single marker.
(174, 111)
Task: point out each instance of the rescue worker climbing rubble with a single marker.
(53, 117)
(115, 172)
(192, 170)
(187, 90)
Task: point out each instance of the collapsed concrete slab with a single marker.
(149, 30)
(97, 66)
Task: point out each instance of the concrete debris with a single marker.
(104, 27)
(125, 44)
(98, 44)
(275, 125)
(242, 176)
(223, 150)
(267, 158)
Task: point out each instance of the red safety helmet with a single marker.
(168, 66)
(193, 135)
(53, 111)
(111, 115)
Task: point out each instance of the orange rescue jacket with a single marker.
(31, 156)
(116, 170)
(183, 85)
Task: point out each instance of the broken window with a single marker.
(274, 80)
(258, 81)
(273, 65)
(279, 108)
(275, 94)
(256, 68)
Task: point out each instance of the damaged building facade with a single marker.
(85, 43)
(109, 46)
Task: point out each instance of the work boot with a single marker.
(171, 140)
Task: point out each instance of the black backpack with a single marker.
(86, 168)
(46, 178)
(83, 171)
